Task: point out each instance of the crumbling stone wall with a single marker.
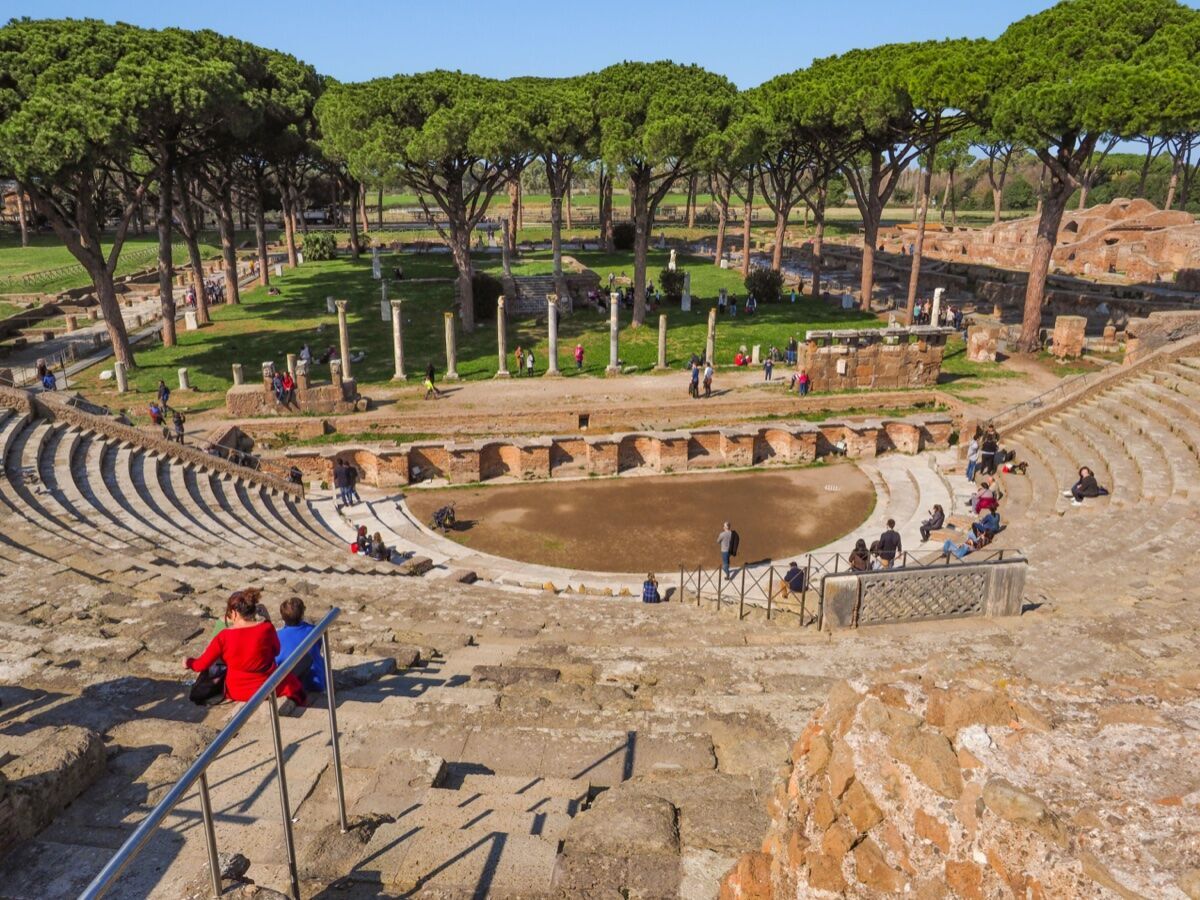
(873, 358)
(983, 784)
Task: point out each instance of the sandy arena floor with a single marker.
(656, 523)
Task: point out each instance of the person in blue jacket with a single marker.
(293, 632)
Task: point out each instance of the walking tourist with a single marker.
(352, 484)
(650, 592)
(792, 345)
(430, 390)
(937, 518)
(768, 369)
(164, 395)
(340, 482)
(248, 647)
(177, 422)
(529, 363)
(803, 383)
(579, 357)
(291, 635)
(1085, 487)
(727, 542)
(860, 557)
(708, 377)
(519, 354)
(430, 373)
(694, 384)
(156, 413)
(889, 544)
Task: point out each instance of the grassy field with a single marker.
(267, 327)
(46, 253)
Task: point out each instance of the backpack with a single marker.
(734, 541)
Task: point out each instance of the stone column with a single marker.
(385, 310)
(329, 305)
(710, 345)
(239, 376)
(344, 338)
(121, 377)
(71, 323)
(398, 340)
(936, 313)
(662, 342)
(552, 321)
(451, 349)
(501, 338)
(613, 312)
(184, 384)
(291, 364)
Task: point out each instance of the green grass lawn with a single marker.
(267, 327)
(46, 253)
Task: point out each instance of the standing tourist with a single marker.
(727, 543)
(889, 544)
(529, 363)
(708, 377)
(768, 368)
(803, 382)
(579, 357)
(694, 384)
(973, 456)
(520, 357)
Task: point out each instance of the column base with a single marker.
(450, 376)
(661, 368)
(401, 377)
(552, 373)
(610, 371)
(504, 374)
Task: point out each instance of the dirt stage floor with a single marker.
(646, 524)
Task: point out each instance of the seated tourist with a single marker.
(1018, 468)
(295, 630)
(1086, 486)
(362, 542)
(958, 551)
(738, 359)
(650, 592)
(379, 550)
(988, 525)
(156, 414)
(860, 557)
(937, 518)
(793, 580)
(984, 498)
(248, 646)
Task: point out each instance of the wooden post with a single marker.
(742, 596)
(771, 593)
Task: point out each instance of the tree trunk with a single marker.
(379, 213)
(567, 211)
(917, 194)
(460, 249)
(953, 203)
(691, 203)
(260, 234)
(225, 227)
(514, 211)
(747, 213)
(606, 210)
(722, 223)
(1084, 189)
(166, 266)
(781, 220)
(997, 201)
(556, 208)
(870, 235)
(288, 199)
(355, 245)
(1053, 206)
(196, 264)
(914, 278)
(362, 207)
(1041, 191)
(819, 239)
(110, 308)
(945, 201)
(641, 247)
(21, 218)
(1141, 191)
(1173, 184)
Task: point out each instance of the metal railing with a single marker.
(760, 584)
(198, 772)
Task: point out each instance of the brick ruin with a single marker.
(339, 396)
(537, 458)
(877, 359)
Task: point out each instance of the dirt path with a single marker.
(656, 523)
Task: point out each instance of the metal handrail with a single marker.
(197, 771)
(1063, 388)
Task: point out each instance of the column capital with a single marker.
(552, 299)
(395, 304)
(500, 302)
(341, 305)
(449, 316)
(614, 297)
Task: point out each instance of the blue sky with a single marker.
(747, 41)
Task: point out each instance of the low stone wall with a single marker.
(1144, 336)
(879, 359)
(612, 454)
(258, 399)
(956, 591)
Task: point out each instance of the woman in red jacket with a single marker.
(248, 647)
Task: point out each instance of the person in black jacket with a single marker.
(987, 453)
(1086, 486)
(889, 544)
(937, 518)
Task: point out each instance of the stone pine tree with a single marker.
(1065, 80)
(728, 160)
(999, 154)
(786, 159)
(455, 139)
(562, 128)
(69, 133)
(655, 121)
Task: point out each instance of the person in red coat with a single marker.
(248, 647)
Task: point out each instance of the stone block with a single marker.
(982, 341)
(1069, 337)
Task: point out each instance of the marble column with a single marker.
(122, 378)
(239, 376)
(184, 384)
(710, 345)
(385, 310)
(662, 342)
(614, 308)
(552, 322)
(291, 364)
(344, 338)
(451, 349)
(398, 340)
(501, 338)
